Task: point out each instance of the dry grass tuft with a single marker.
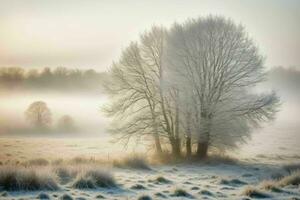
(92, 178)
(292, 179)
(134, 162)
(21, 178)
(270, 186)
(82, 182)
(66, 172)
(254, 193)
(102, 178)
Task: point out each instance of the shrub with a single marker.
(15, 179)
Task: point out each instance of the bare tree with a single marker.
(139, 95)
(38, 114)
(134, 93)
(215, 65)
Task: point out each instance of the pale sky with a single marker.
(91, 34)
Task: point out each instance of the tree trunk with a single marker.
(157, 144)
(188, 146)
(188, 136)
(176, 148)
(202, 150)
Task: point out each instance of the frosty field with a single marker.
(149, 100)
(212, 179)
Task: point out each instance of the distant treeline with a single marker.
(57, 79)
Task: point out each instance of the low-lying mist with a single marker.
(84, 107)
(84, 110)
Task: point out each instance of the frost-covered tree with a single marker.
(39, 115)
(141, 104)
(215, 65)
(134, 89)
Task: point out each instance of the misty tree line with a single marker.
(189, 88)
(57, 79)
(39, 116)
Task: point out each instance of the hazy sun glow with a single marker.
(92, 33)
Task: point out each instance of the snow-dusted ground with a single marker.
(199, 180)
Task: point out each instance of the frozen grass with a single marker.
(292, 179)
(92, 178)
(134, 162)
(270, 185)
(14, 178)
(82, 182)
(66, 172)
(254, 193)
(212, 159)
(102, 178)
